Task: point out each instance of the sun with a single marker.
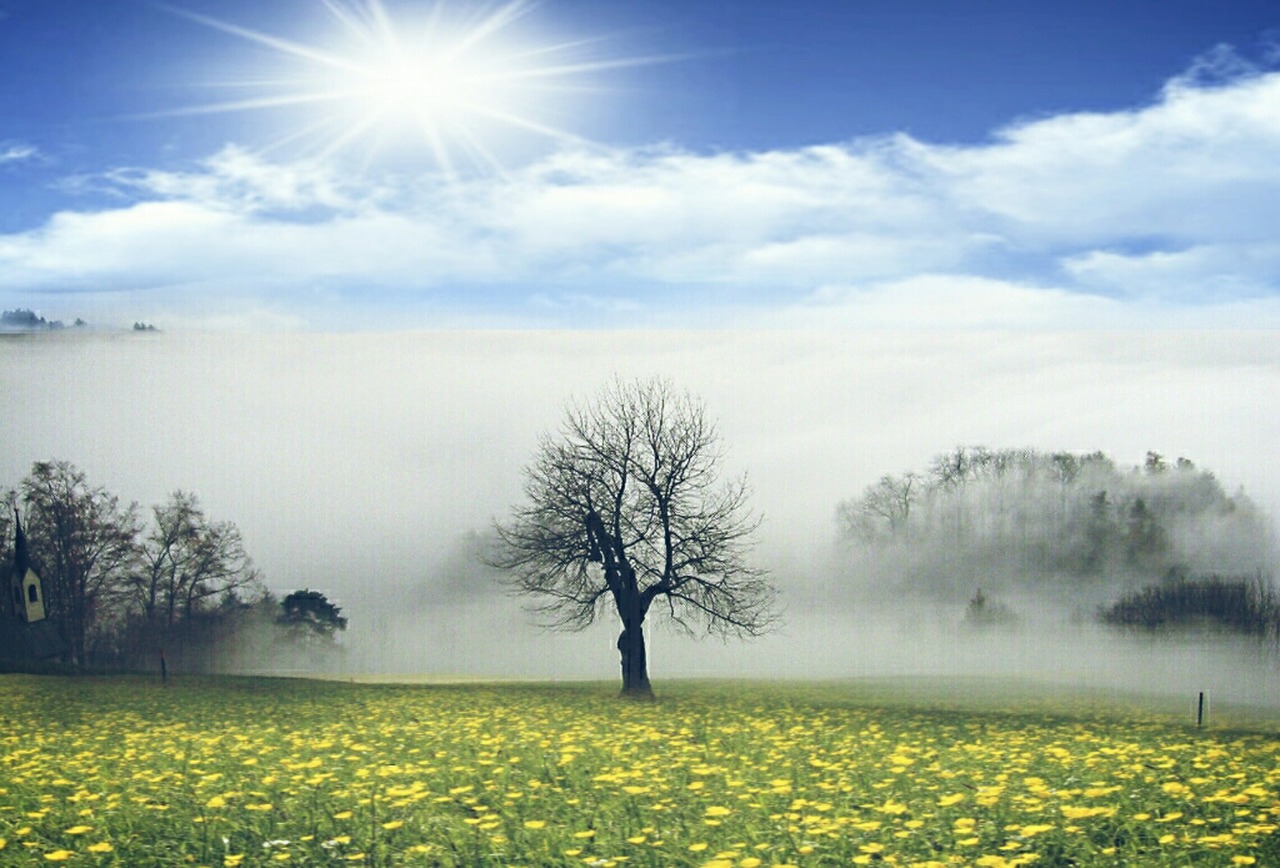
(461, 85)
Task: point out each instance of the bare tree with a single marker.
(625, 509)
(86, 545)
(884, 509)
(187, 560)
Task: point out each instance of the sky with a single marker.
(303, 165)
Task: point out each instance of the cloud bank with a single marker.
(1157, 216)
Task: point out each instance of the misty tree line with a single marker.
(123, 589)
(1059, 516)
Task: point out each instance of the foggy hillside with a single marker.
(1074, 528)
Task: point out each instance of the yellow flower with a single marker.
(78, 830)
(535, 824)
(586, 833)
(100, 847)
(231, 860)
(392, 824)
(1243, 860)
(718, 811)
(59, 855)
(342, 815)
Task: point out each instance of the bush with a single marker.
(984, 612)
(1241, 604)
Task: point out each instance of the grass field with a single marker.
(226, 772)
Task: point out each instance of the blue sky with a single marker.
(861, 164)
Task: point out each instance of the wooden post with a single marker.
(1200, 710)
(164, 671)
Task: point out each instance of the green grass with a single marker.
(245, 771)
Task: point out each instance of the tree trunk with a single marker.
(635, 669)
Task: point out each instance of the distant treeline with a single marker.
(123, 590)
(27, 320)
(977, 517)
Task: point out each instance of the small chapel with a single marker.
(25, 632)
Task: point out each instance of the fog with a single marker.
(362, 466)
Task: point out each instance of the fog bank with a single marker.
(359, 464)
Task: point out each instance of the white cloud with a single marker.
(17, 152)
(1081, 217)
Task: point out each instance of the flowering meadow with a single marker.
(239, 772)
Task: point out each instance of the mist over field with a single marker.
(371, 467)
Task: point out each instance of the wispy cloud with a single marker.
(1087, 216)
(17, 152)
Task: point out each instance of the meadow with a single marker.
(243, 771)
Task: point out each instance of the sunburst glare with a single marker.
(459, 85)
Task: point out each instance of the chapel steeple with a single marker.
(25, 591)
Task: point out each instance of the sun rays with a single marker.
(459, 85)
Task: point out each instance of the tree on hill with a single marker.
(987, 516)
(23, 319)
(625, 509)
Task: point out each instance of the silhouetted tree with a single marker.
(83, 542)
(187, 562)
(310, 616)
(625, 509)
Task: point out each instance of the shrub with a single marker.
(1241, 604)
